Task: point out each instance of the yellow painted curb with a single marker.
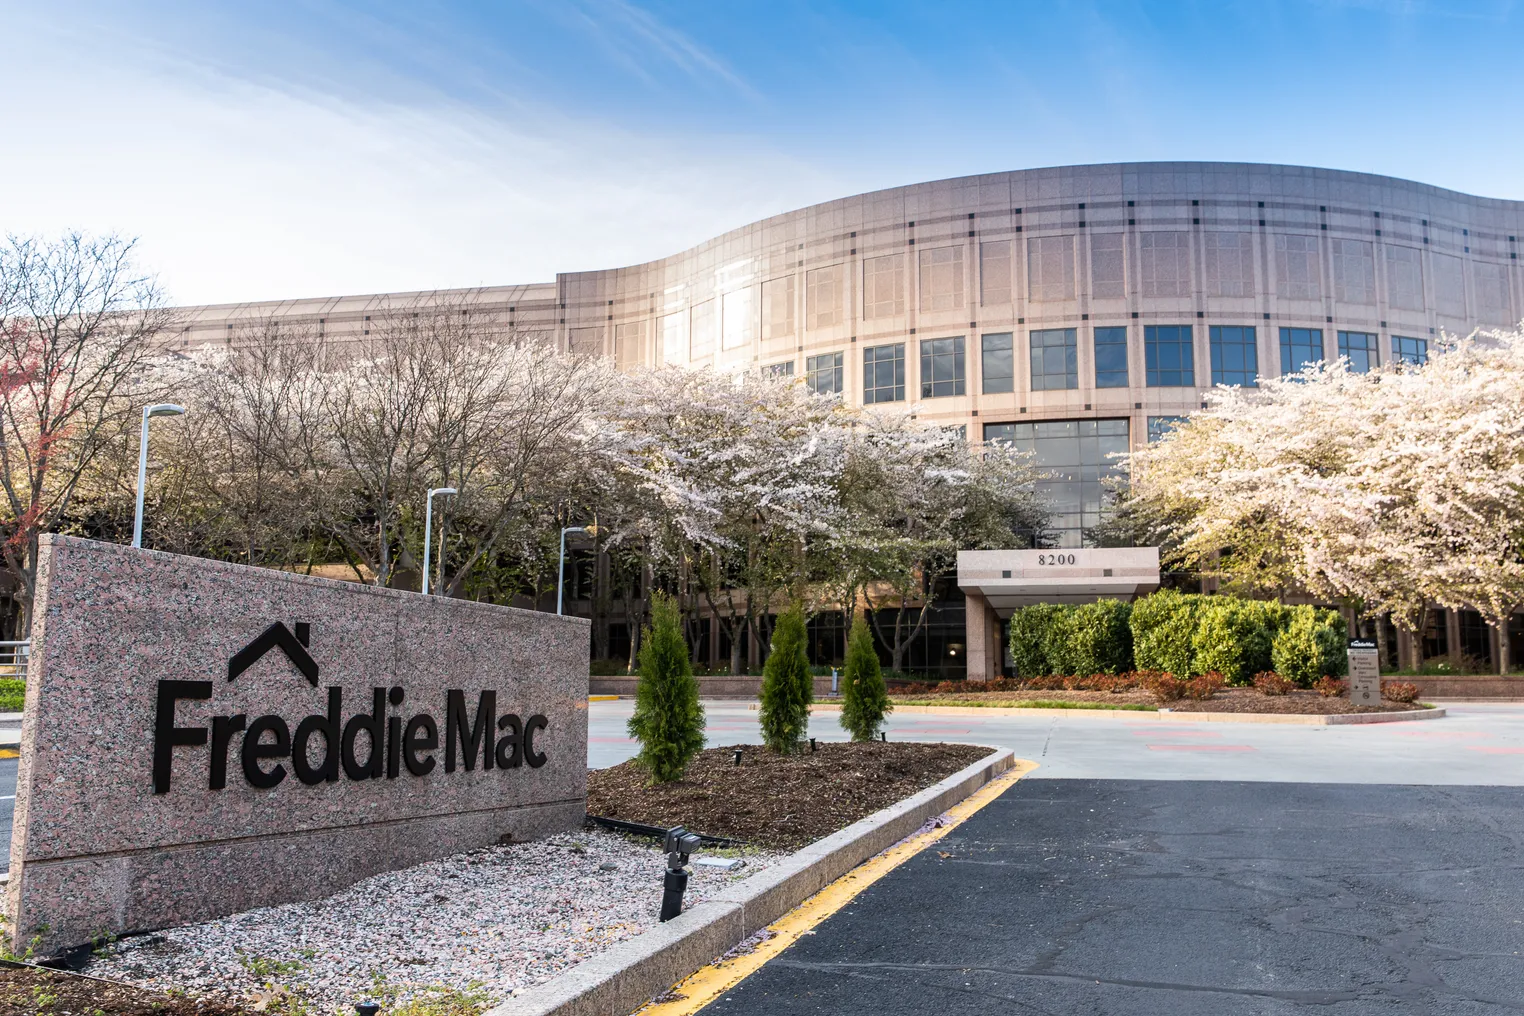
(705, 985)
(9, 753)
(603, 698)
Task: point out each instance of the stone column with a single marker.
(976, 613)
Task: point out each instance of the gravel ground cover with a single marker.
(474, 928)
(778, 801)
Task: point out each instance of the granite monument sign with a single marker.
(201, 738)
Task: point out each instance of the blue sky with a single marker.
(323, 147)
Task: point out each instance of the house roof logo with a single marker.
(273, 637)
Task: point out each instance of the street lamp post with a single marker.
(428, 530)
(162, 409)
(561, 570)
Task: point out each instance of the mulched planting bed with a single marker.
(1228, 700)
(778, 801)
(27, 991)
(1248, 700)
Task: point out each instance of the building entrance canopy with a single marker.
(996, 582)
(1008, 579)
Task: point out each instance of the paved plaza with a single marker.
(1476, 744)
(1166, 867)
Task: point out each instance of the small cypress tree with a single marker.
(668, 720)
(787, 687)
(864, 699)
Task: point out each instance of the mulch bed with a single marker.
(778, 801)
(28, 991)
(1228, 700)
(1248, 700)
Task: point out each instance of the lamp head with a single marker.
(164, 409)
(443, 490)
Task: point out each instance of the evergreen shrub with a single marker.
(1310, 646)
(787, 688)
(1030, 638)
(1231, 638)
(1163, 626)
(864, 700)
(1096, 638)
(668, 720)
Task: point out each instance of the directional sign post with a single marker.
(1364, 672)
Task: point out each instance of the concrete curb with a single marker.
(619, 981)
(1295, 719)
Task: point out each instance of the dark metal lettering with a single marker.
(372, 725)
(328, 726)
(412, 744)
(277, 636)
(254, 751)
(223, 729)
(510, 746)
(167, 736)
(534, 758)
(471, 736)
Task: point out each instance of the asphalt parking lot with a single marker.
(1080, 896)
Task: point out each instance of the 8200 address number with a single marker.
(1055, 559)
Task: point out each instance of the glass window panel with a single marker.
(1235, 359)
(1169, 359)
(1158, 426)
(1360, 347)
(998, 365)
(1300, 347)
(824, 373)
(1055, 361)
(1111, 357)
(784, 369)
(941, 367)
(1409, 350)
(1078, 458)
(884, 373)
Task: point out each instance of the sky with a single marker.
(297, 148)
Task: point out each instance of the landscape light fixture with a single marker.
(162, 409)
(561, 568)
(678, 845)
(428, 531)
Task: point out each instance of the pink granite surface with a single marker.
(95, 849)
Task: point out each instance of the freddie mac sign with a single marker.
(269, 743)
(192, 727)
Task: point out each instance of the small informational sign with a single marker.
(1364, 672)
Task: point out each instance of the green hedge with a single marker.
(12, 695)
(1183, 634)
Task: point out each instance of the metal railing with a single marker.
(13, 659)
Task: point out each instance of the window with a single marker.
(995, 272)
(823, 373)
(1297, 271)
(1055, 359)
(1235, 360)
(1300, 347)
(1111, 357)
(1229, 263)
(1409, 350)
(1050, 267)
(941, 367)
(1360, 347)
(1354, 271)
(998, 366)
(884, 374)
(784, 369)
(1158, 426)
(778, 308)
(1404, 278)
(883, 287)
(1165, 264)
(701, 331)
(1168, 359)
(627, 343)
(674, 337)
(740, 322)
(942, 278)
(1106, 279)
(822, 297)
(1078, 457)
